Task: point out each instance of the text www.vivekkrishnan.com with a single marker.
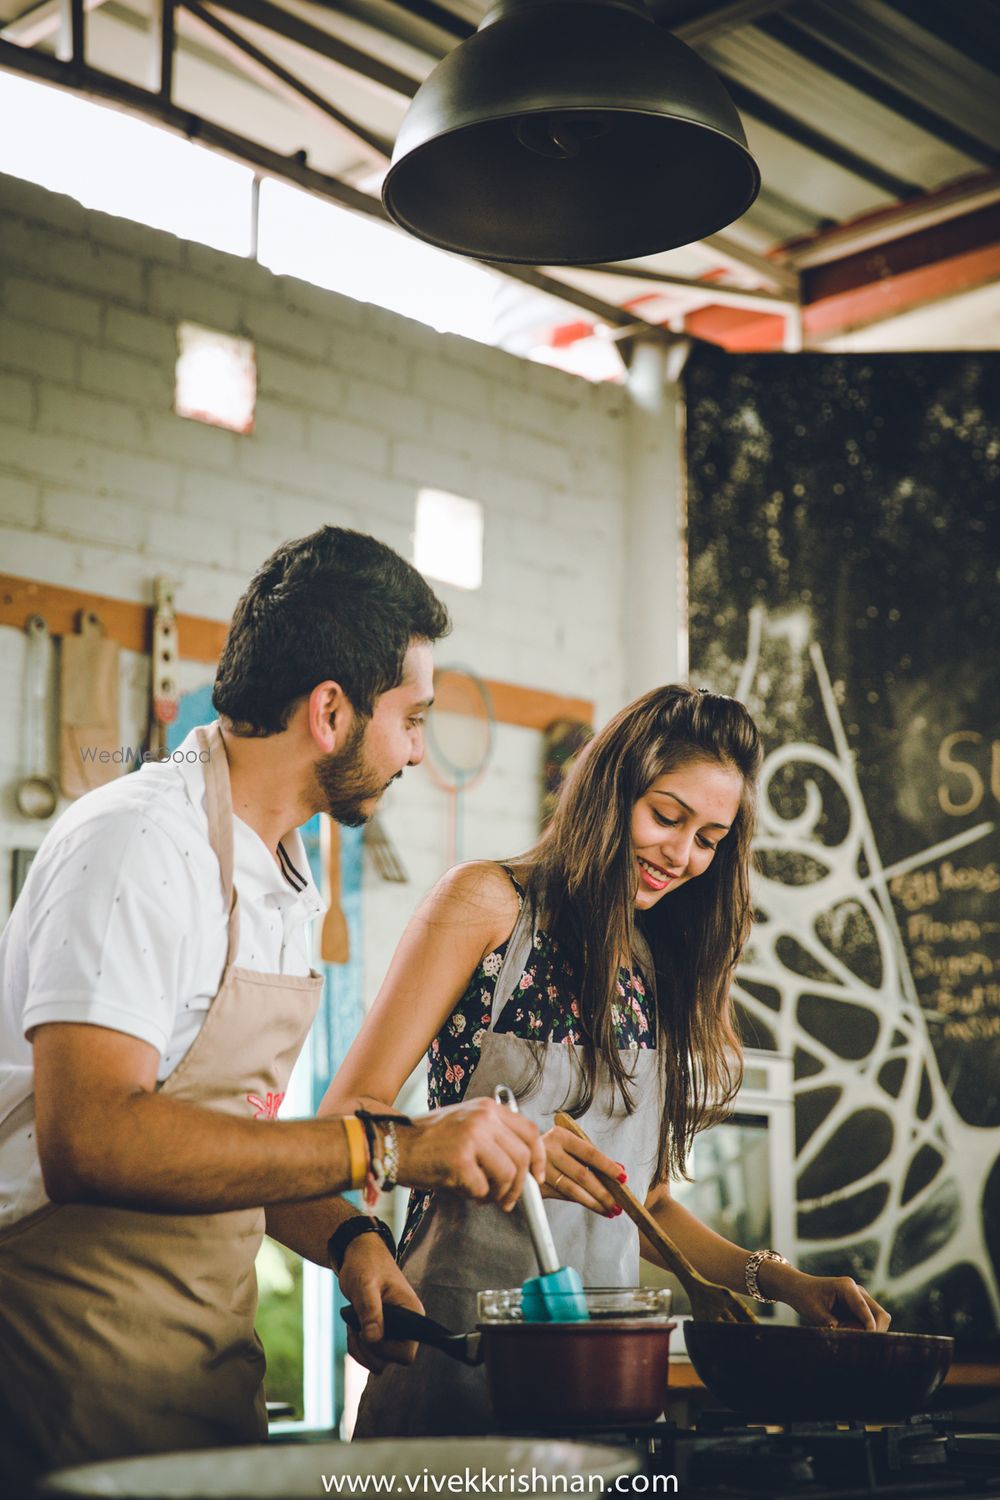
(487, 1482)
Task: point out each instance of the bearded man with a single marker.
(155, 990)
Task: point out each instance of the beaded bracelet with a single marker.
(383, 1155)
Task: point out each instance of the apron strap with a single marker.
(219, 806)
(518, 948)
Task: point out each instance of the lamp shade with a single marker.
(566, 132)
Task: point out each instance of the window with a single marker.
(123, 166)
(216, 378)
(448, 544)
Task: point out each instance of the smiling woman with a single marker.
(679, 823)
(590, 974)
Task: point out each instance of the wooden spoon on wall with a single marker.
(334, 938)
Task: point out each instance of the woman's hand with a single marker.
(829, 1301)
(568, 1173)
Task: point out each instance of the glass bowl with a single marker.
(604, 1304)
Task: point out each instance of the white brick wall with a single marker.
(102, 487)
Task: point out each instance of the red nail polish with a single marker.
(623, 1176)
(611, 1213)
(618, 1209)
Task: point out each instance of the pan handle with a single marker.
(404, 1324)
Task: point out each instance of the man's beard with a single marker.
(346, 780)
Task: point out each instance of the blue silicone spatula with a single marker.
(556, 1295)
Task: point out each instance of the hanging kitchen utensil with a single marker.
(88, 707)
(37, 794)
(566, 133)
(608, 1371)
(556, 1295)
(334, 938)
(165, 692)
(461, 736)
(708, 1301)
(384, 853)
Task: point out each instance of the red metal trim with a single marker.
(745, 332)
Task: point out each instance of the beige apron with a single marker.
(460, 1247)
(124, 1332)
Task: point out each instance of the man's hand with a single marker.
(477, 1148)
(369, 1277)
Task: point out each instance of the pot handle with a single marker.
(403, 1324)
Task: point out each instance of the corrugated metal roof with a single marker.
(853, 107)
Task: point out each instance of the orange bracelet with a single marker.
(357, 1149)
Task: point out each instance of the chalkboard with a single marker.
(844, 556)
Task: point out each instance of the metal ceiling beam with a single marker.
(717, 20)
(105, 88)
(726, 252)
(814, 140)
(39, 22)
(607, 312)
(315, 39)
(164, 38)
(891, 224)
(709, 291)
(910, 58)
(436, 15)
(970, 27)
(119, 94)
(853, 72)
(75, 44)
(252, 60)
(430, 28)
(917, 251)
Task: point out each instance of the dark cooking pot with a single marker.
(790, 1374)
(610, 1371)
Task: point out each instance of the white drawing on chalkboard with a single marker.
(792, 957)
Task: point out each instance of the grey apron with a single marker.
(460, 1247)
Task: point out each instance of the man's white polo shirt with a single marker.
(122, 924)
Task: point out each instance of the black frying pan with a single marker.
(778, 1373)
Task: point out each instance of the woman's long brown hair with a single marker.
(582, 883)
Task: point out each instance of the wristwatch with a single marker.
(338, 1242)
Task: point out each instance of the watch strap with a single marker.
(343, 1236)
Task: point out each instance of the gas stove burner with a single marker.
(723, 1458)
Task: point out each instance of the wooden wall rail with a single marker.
(202, 640)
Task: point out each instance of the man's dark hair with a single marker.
(335, 605)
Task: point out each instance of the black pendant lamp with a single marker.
(566, 132)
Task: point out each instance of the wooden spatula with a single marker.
(709, 1303)
(334, 938)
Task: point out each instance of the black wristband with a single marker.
(338, 1242)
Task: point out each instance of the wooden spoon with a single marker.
(334, 938)
(709, 1303)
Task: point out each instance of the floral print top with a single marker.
(542, 1008)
